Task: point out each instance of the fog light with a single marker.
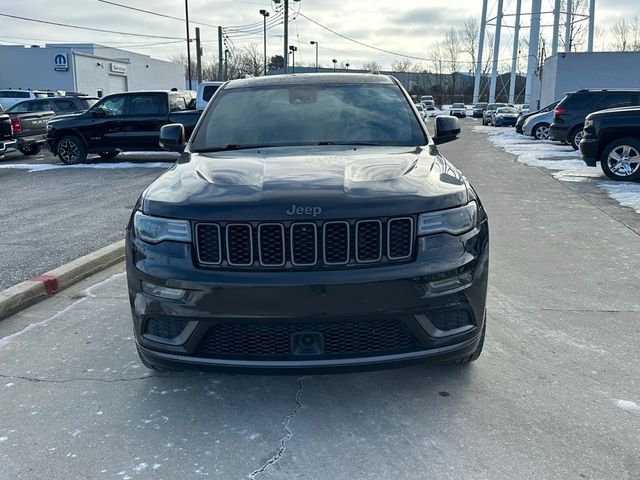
(163, 292)
(451, 283)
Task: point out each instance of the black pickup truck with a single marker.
(6, 134)
(612, 137)
(123, 122)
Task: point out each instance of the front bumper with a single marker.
(378, 316)
(589, 149)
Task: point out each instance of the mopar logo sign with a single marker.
(60, 61)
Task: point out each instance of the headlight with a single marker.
(455, 221)
(157, 229)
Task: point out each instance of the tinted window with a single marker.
(457, 105)
(64, 105)
(112, 106)
(578, 100)
(14, 94)
(39, 106)
(310, 115)
(177, 102)
(86, 103)
(19, 107)
(147, 104)
(208, 92)
(615, 100)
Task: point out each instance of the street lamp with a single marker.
(313, 42)
(186, 8)
(347, 65)
(334, 64)
(265, 14)
(293, 49)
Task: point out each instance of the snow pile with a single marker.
(39, 167)
(562, 160)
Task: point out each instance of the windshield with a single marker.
(480, 105)
(312, 114)
(457, 105)
(506, 110)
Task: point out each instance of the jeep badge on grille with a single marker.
(297, 210)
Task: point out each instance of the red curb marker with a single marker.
(50, 283)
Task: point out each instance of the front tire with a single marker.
(71, 150)
(620, 161)
(540, 132)
(31, 150)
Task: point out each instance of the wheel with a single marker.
(575, 137)
(474, 356)
(71, 150)
(621, 160)
(31, 150)
(541, 131)
(109, 154)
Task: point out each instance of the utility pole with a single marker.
(226, 65)
(568, 26)
(483, 27)
(534, 39)
(556, 27)
(313, 42)
(496, 53)
(592, 24)
(286, 33)
(186, 8)
(265, 14)
(220, 72)
(516, 48)
(198, 56)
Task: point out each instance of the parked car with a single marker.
(11, 97)
(523, 118)
(479, 108)
(205, 92)
(122, 122)
(612, 137)
(458, 110)
(29, 130)
(427, 98)
(327, 232)
(422, 110)
(429, 105)
(523, 109)
(504, 117)
(568, 120)
(59, 105)
(537, 126)
(7, 142)
(488, 112)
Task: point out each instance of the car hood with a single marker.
(63, 117)
(342, 181)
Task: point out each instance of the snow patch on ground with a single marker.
(562, 160)
(40, 167)
(628, 406)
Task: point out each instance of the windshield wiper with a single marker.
(226, 148)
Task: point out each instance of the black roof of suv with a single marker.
(575, 106)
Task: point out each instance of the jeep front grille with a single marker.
(305, 245)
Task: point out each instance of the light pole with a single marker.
(226, 64)
(334, 64)
(265, 14)
(347, 65)
(313, 42)
(186, 8)
(293, 49)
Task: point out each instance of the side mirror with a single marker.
(172, 137)
(447, 129)
(99, 113)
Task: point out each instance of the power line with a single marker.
(171, 17)
(17, 17)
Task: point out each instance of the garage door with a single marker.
(117, 83)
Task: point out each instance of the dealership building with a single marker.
(84, 67)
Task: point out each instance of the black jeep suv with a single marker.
(569, 115)
(310, 223)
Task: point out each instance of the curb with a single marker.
(31, 291)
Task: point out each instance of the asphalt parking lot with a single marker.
(555, 395)
(53, 213)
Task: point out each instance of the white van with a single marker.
(205, 92)
(11, 97)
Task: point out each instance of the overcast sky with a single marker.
(408, 27)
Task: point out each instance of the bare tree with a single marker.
(579, 25)
(470, 39)
(403, 65)
(626, 35)
(371, 66)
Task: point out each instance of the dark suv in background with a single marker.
(58, 105)
(569, 115)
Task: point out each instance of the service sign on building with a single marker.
(61, 62)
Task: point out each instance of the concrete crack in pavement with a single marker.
(288, 435)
